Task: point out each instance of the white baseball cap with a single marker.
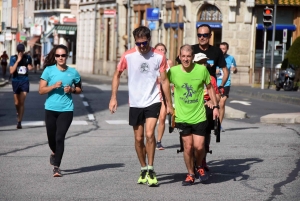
(199, 57)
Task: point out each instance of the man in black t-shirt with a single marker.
(214, 54)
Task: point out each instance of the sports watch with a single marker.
(216, 106)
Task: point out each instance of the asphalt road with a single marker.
(252, 162)
(256, 108)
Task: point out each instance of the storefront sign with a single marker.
(8, 36)
(152, 14)
(36, 30)
(109, 13)
(1, 38)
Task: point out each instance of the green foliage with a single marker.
(293, 54)
(285, 63)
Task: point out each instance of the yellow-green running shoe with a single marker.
(143, 177)
(151, 177)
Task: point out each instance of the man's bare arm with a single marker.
(166, 88)
(225, 76)
(114, 89)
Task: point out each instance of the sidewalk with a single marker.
(290, 97)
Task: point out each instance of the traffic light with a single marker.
(268, 17)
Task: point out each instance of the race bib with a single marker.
(220, 74)
(22, 70)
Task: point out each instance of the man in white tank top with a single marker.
(143, 64)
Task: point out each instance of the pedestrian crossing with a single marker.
(42, 123)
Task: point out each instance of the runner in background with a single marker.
(231, 66)
(163, 111)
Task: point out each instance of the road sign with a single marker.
(152, 14)
(284, 38)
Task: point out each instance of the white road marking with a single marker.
(85, 103)
(241, 102)
(91, 117)
(42, 123)
(81, 95)
(117, 122)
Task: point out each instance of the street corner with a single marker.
(284, 118)
(3, 82)
(231, 113)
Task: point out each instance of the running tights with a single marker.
(57, 125)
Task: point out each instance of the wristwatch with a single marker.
(216, 106)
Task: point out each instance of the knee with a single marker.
(139, 140)
(188, 148)
(150, 138)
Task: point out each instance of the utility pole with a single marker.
(264, 61)
(128, 24)
(273, 41)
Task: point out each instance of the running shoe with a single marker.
(223, 130)
(190, 179)
(204, 164)
(52, 158)
(159, 146)
(56, 172)
(151, 177)
(143, 177)
(202, 174)
(19, 125)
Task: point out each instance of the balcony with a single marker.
(44, 5)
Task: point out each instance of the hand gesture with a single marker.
(67, 89)
(170, 110)
(113, 105)
(216, 113)
(20, 56)
(57, 84)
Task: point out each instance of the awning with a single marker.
(279, 27)
(280, 2)
(214, 25)
(173, 25)
(67, 30)
(33, 41)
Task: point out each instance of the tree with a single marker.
(293, 54)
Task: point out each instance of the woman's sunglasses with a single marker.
(61, 55)
(141, 43)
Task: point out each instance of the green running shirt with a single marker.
(188, 93)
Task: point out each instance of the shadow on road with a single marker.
(230, 169)
(220, 171)
(236, 129)
(93, 168)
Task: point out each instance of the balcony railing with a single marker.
(51, 4)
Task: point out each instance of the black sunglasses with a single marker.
(204, 35)
(141, 43)
(60, 55)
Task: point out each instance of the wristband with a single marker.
(216, 106)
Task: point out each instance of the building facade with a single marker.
(105, 30)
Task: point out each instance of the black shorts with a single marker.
(188, 129)
(20, 86)
(37, 63)
(226, 91)
(4, 63)
(138, 116)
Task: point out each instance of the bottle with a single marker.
(231, 68)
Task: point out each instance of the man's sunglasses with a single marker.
(141, 43)
(60, 55)
(204, 35)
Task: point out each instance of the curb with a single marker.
(284, 118)
(231, 113)
(269, 97)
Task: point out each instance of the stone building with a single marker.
(105, 30)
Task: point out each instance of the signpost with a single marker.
(284, 41)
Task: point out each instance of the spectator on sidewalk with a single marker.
(231, 66)
(20, 64)
(163, 110)
(4, 57)
(143, 64)
(58, 81)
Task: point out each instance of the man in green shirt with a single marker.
(190, 116)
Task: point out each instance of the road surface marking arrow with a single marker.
(241, 102)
